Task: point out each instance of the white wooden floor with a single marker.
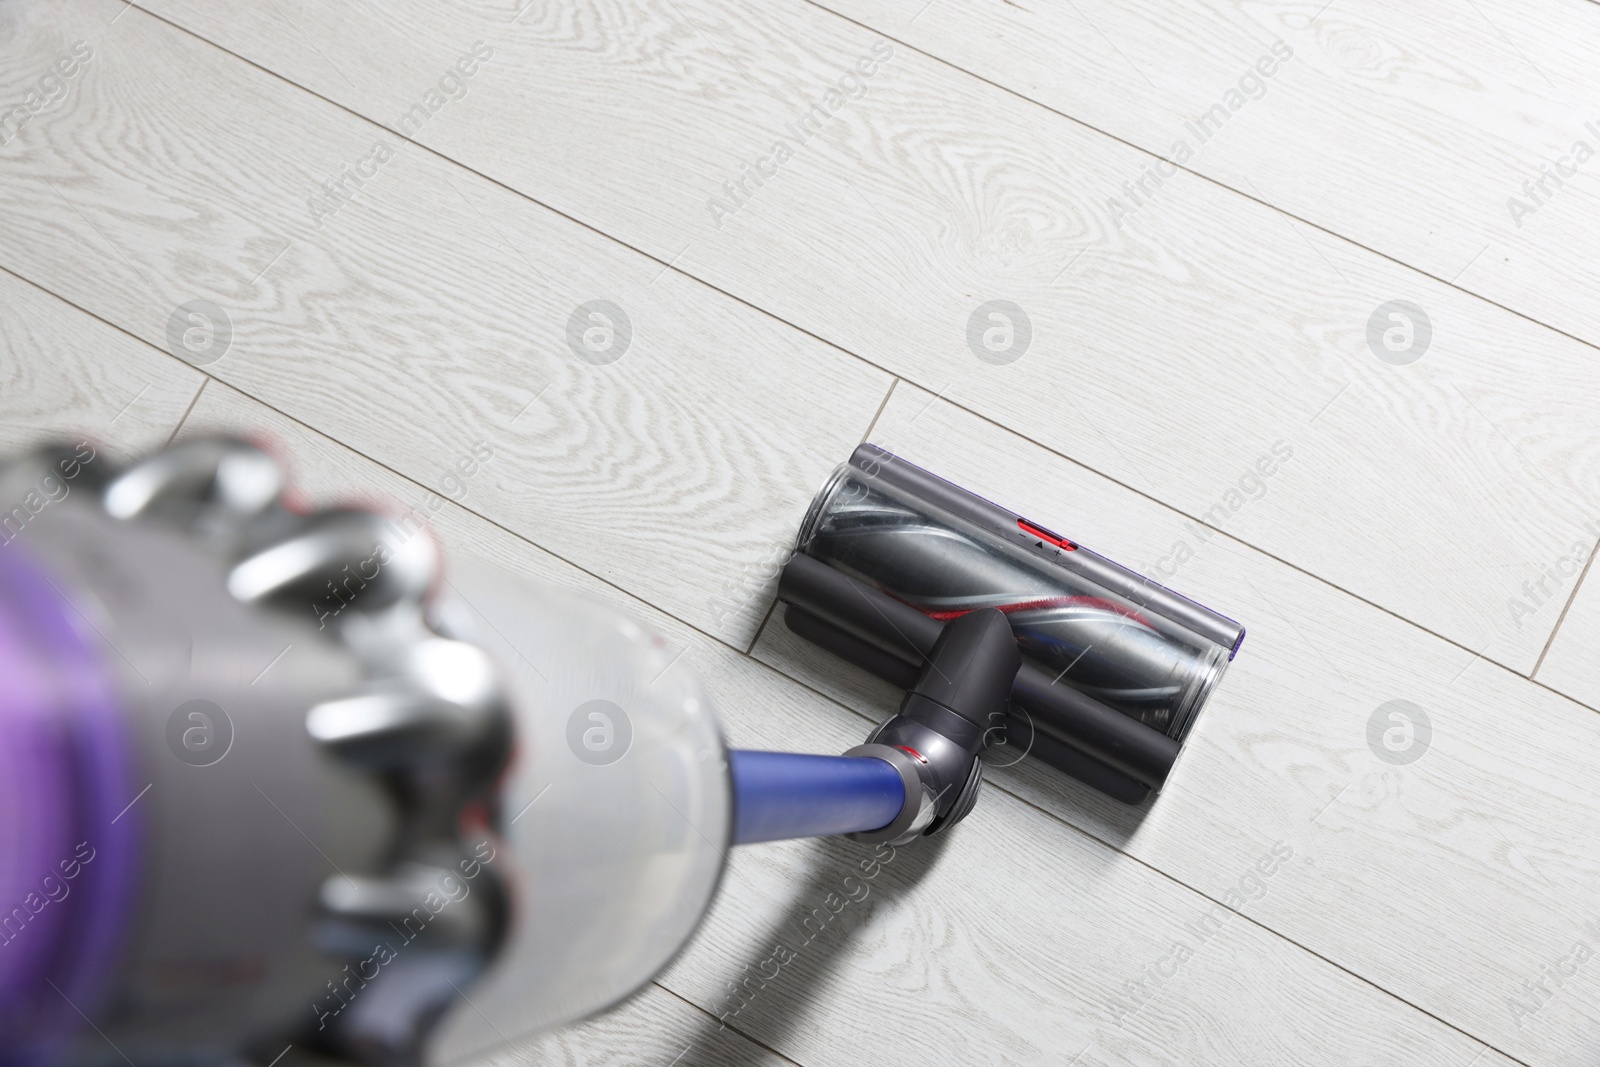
(1203, 208)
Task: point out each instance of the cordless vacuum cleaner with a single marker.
(277, 787)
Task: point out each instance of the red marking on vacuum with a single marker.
(1053, 602)
(920, 757)
(1040, 532)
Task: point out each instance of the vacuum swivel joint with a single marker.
(948, 715)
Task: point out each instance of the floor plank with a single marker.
(1006, 943)
(1167, 353)
(63, 372)
(1446, 880)
(1408, 128)
(435, 312)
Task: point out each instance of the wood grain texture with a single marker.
(1167, 353)
(1408, 128)
(655, 1028)
(1448, 880)
(433, 311)
(1009, 942)
(63, 373)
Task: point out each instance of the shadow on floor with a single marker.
(766, 993)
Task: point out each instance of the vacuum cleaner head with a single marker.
(1114, 668)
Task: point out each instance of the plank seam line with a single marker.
(876, 415)
(756, 640)
(205, 380)
(722, 1023)
(1571, 597)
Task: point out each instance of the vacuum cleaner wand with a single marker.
(949, 711)
(919, 771)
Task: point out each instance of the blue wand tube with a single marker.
(779, 795)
